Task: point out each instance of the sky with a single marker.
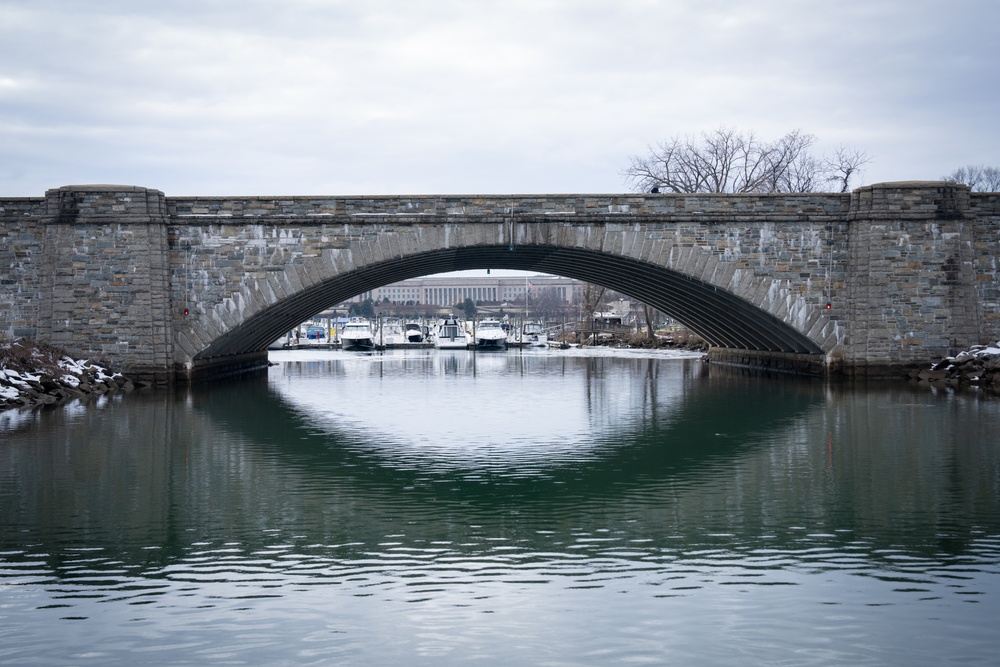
(331, 97)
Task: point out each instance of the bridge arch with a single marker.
(722, 318)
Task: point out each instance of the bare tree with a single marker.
(788, 166)
(546, 302)
(803, 175)
(592, 297)
(846, 162)
(726, 160)
(979, 178)
(647, 312)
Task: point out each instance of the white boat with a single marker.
(314, 334)
(490, 335)
(450, 335)
(283, 342)
(357, 335)
(391, 333)
(532, 335)
(414, 332)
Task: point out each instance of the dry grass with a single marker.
(678, 339)
(28, 356)
(681, 339)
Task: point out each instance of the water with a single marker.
(535, 507)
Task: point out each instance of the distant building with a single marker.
(447, 291)
(618, 313)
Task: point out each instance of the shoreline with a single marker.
(36, 374)
(979, 366)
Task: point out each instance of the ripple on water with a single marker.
(605, 513)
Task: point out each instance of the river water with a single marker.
(529, 507)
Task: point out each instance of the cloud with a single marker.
(313, 96)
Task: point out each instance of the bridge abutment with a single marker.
(106, 277)
(911, 279)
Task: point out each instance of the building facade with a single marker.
(447, 291)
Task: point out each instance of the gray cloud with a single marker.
(392, 96)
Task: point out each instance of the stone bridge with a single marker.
(869, 283)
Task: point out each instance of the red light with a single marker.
(828, 306)
(185, 312)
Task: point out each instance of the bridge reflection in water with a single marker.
(520, 506)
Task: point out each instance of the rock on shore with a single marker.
(33, 374)
(978, 366)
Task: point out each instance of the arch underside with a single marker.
(719, 317)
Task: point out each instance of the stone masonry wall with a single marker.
(729, 208)
(22, 242)
(100, 263)
(226, 269)
(985, 210)
(912, 283)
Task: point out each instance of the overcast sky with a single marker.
(247, 97)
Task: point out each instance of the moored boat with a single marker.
(315, 334)
(414, 332)
(450, 335)
(490, 335)
(282, 343)
(532, 335)
(391, 333)
(357, 335)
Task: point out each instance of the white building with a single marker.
(450, 290)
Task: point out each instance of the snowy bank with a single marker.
(977, 366)
(33, 374)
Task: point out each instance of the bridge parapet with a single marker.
(776, 207)
(105, 204)
(910, 200)
(13, 209)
